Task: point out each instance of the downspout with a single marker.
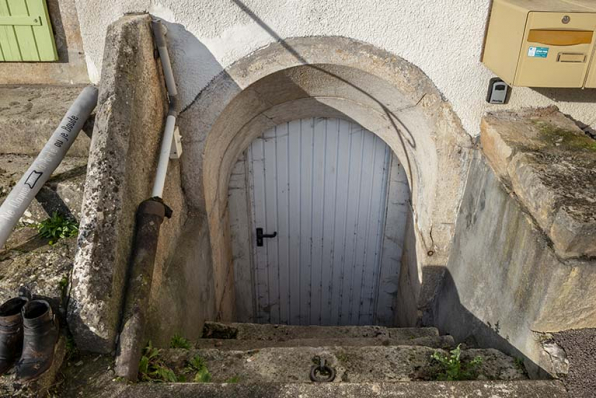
(47, 161)
(150, 215)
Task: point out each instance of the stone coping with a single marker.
(550, 165)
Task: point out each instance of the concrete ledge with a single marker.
(352, 364)
(518, 389)
(30, 114)
(271, 332)
(492, 389)
(550, 164)
(62, 193)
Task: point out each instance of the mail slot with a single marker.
(563, 57)
(542, 43)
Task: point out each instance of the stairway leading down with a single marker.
(252, 360)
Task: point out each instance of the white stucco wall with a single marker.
(442, 37)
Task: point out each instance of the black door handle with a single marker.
(261, 236)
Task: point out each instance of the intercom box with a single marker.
(542, 43)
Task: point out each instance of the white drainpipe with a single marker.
(46, 162)
(159, 31)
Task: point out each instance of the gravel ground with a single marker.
(580, 346)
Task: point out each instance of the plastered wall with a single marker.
(442, 37)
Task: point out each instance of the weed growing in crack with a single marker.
(453, 368)
(152, 369)
(178, 341)
(197, 364)
(57, 227)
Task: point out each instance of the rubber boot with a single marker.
(39, 341)
(11, 332)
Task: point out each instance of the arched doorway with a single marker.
(336, 78)
(308, 216)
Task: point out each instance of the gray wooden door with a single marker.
(321, 185)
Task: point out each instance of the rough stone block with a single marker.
(550, 164)
(574, 230)
(122, 160)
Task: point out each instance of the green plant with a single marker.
(57, 227)
(71, 348)
(63, 285)
(152, 369)
(233, 380)
(453, 368)
(519, 364)
(179, 342)
(198, 365)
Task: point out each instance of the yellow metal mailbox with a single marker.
(542, 43)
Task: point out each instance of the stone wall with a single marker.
(511, 283)
(183, 295)
(444, 38)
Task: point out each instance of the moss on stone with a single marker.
(558, 136)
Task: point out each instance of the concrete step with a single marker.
(466, 389)
(352, 364)
(30, 114)
(92, 376)
(252, 331)
(244, 345)
(62, 193)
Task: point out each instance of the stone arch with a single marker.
(328, 77)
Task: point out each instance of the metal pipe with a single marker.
(47, 161)
(150, 216)
(159, 32)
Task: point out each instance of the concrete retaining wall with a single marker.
(505, 285)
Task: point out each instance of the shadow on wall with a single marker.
(466, 328)
(59, 31)
(408, 137)
(182, 295)
(568, 95)
(190, 59)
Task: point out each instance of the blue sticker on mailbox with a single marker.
(538, 52)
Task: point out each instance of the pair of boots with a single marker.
(28, 335)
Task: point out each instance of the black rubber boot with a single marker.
(39, 341)
(11, 332)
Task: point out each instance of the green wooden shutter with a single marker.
(26, 32)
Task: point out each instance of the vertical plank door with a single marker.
(321, 185)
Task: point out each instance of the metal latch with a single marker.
(261, 236)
